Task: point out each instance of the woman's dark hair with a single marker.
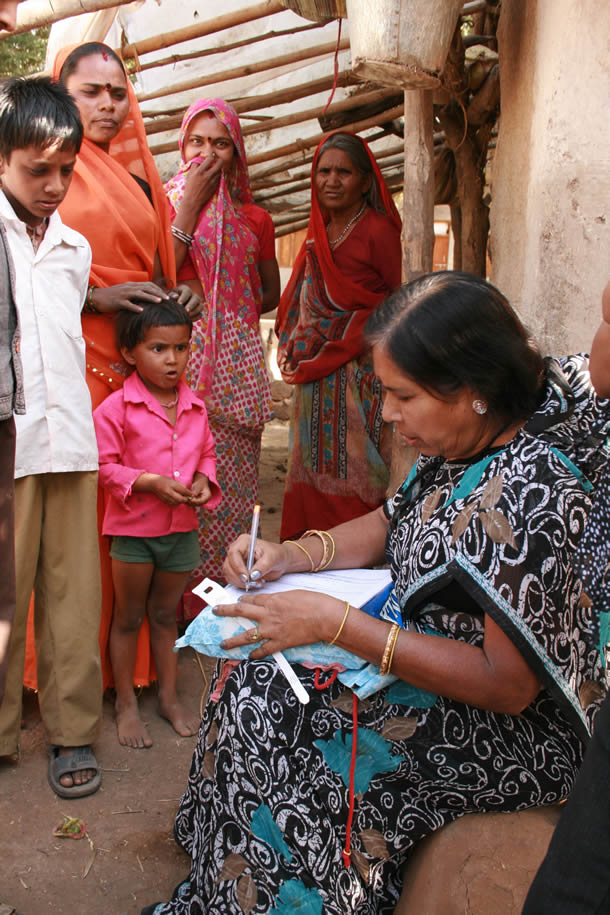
(450, 330)
(130, 326)
(37, 111)
(353, 146)
(90, 49)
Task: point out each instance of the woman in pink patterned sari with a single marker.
(225, 250)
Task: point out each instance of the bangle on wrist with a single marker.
(340, 629)
(328, 549)
(307, 553)
(184, 237)
(388, 651)
(89, 307)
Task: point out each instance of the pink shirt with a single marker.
(134, 436)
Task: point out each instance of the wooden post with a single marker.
(208, 27)
(244, 70)
(45, 12)
(418, 195)
(417, 223)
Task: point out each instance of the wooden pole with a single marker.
(209, 27)
(231, 46)
(236, 72)
(310, 114)
(302, 145)
(288, 230)
(45, 12)
(250, 103)
(305, 160)
(417, 222)
(418, 208)
(299, 145)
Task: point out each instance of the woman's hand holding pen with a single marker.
(271, 561)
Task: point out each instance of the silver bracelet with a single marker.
(182, 236)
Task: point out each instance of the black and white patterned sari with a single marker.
(264, 814)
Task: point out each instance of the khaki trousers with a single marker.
(7, 540)
(56, 557)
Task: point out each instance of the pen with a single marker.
(252, 545)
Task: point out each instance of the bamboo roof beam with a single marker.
(231, 46)
(310, 114)
(305, 160)
(310, 142)
(284, 220)
(300, 145)
(285, 192)
(45, 12)
(246, 103)
(302, 178)
(199, 29)
(236, 72)
(267, 100)
(288, 230)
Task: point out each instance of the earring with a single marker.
(479, 406)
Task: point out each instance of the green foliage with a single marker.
(23, 54)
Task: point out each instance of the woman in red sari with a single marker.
(350, 261)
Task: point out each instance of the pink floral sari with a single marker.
(227, 365)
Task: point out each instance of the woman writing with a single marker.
(225, 251)
(481, 632)
(116, 201)
(340, 449)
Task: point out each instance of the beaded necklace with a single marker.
(333, 244)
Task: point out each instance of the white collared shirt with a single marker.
(56, 434)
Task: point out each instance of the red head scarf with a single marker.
(125, 232)
(322, 312)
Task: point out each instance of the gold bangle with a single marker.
(392, 652)
(392, 636)
(332, 555)
(307, 553)
(340, 629)
(326, 560)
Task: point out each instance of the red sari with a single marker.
(340, 449)
(107, 205)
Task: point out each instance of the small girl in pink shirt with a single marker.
(157, 463)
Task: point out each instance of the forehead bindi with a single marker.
(99, 72)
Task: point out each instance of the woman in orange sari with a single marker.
(116, 200)
(340, 448)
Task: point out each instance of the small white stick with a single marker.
(286, 668)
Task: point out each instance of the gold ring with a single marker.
(254, 634)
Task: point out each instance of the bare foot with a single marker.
(182, 721)
(130, 728)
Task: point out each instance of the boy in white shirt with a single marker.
(56, 548)
(11, 402)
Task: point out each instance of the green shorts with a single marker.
(177, 552)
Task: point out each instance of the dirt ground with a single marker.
(128, 858)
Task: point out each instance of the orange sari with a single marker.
(107, 205)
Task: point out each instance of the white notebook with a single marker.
(354, 585)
